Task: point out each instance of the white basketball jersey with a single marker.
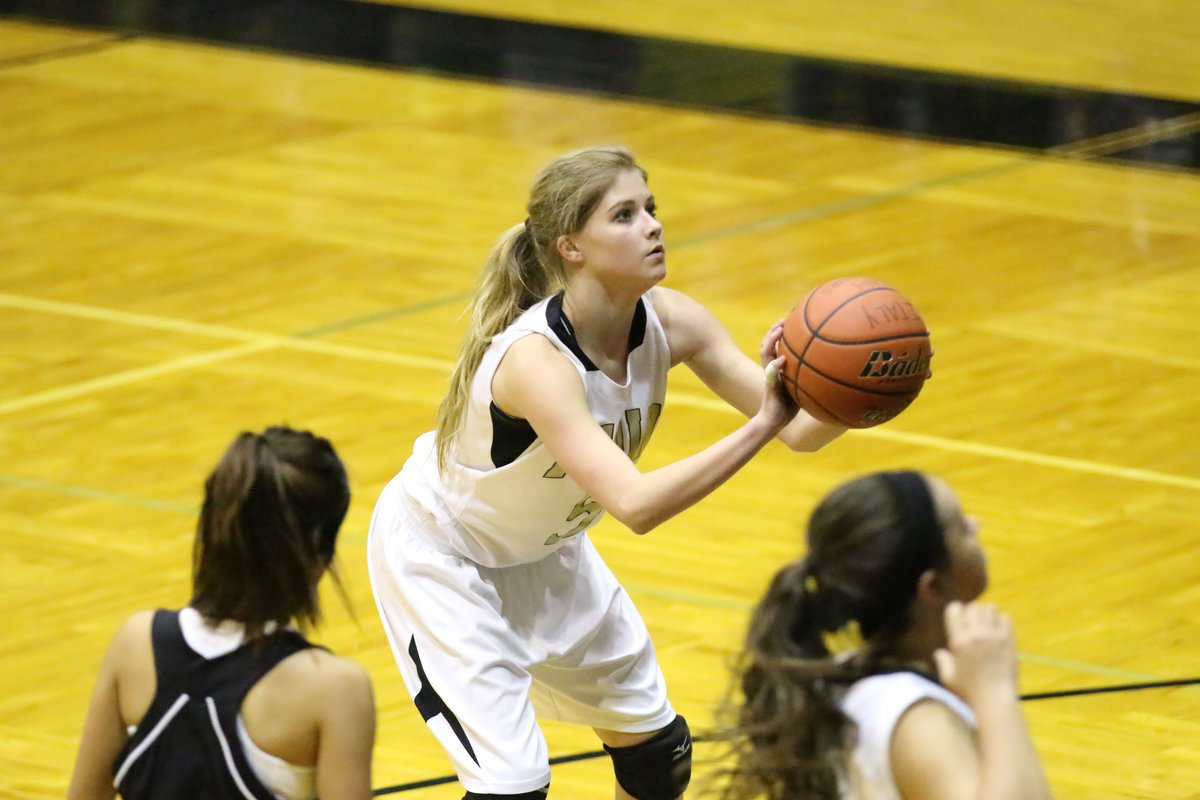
(503, 499)
(876, 704)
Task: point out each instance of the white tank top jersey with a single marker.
(503, 499)
(876, 705)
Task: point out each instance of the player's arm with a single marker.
(537, 383)
(699, 340)
(346, 735)
(103, 728)
(936, 756)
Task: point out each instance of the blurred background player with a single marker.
(869, 672)
(222, 699)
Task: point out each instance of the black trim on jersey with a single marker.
(430, 703)
(511, 436)
(566, 332)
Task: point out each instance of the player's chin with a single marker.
(657, 264)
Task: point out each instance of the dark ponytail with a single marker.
(824, 622)
(268, 529)
(786, 723)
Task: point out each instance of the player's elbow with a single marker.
(641, 528)
(802, 444)
(639, 518)
(640, 523)
(808, 435)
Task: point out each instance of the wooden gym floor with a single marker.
(215, 217)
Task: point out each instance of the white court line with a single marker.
(80, 311)
(976, 448)
(256, 342)
(130, 376)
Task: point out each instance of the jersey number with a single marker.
(587, 509)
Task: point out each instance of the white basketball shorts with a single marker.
(486, 651)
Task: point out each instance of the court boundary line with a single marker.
(586, 755)
(737, 606)
(87, 492)
(979, 449)
(254, 343)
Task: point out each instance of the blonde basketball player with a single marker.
(497, 606)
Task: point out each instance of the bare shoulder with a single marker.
(670, 303)
(129, 667)
(135, 626)
(317, 663)
(534, 348)
(934, 753)
(689, 326)
(318, 670)
(132, 642)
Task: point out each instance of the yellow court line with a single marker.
(261, 342)
(366, 354)
(1040, 459)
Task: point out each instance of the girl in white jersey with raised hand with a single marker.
(497, 606)
(870, 673)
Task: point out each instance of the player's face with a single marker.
(623, 237)
(965, 577)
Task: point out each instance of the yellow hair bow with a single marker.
(846, 639)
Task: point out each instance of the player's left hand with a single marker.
(768, 351)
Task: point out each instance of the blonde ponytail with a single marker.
(513, 280)
(524, 267)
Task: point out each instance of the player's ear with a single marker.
(567, 248)
(929, 589)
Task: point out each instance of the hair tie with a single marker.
(844, 641)
(809, 584)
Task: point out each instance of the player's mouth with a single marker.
(658, 251)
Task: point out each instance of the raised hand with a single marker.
(979, 661)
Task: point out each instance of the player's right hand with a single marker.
(979, 661)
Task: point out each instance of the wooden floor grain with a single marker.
(196, 241)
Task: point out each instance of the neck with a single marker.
(601, 321)
(922, 638)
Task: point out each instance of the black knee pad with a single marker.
(659, 768)
(536, 794)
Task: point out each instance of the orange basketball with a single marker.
(856, 352)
